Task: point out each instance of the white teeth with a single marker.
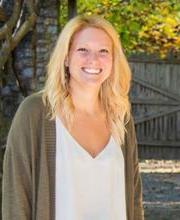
(92, 71)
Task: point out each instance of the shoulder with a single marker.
(26, 127)
(30, 111)
(130, 136)
(32, 103)
(130, 125)
(31, 106)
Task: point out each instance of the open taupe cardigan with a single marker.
(29, 166)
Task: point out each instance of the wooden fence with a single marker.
(155, 97)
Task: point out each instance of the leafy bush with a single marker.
(150, 26)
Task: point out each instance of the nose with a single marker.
(93, 58)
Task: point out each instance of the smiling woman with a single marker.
(90, 58)
(77, 149)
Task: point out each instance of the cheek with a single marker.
(78, 60)
(107, 63)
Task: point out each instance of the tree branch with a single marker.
(11, 23)
(12, 41)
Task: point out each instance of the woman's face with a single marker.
(90, 57)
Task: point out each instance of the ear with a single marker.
(66, 61)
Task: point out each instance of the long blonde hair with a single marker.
(114, 90)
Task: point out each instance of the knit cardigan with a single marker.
(28, 191)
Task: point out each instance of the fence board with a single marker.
(155, 98)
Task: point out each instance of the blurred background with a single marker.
(150, 34)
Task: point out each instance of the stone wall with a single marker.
(35, 49)
(29, 59)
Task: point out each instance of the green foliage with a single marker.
(150, 26)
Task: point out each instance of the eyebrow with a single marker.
(86, 45)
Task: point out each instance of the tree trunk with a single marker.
(72, 8)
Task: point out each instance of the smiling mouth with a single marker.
(92, 71)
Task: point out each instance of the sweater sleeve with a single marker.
(16, 190)
(138, 206)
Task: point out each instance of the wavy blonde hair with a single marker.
(114, 90)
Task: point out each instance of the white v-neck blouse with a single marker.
(88, 188)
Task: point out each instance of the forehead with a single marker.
(91, 35)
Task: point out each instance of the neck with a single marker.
(86, 100)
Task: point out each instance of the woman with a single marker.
(71, 151)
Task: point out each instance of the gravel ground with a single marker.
(161, 189)
(160, 166)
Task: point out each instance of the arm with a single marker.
(138, 206)
(16, 191)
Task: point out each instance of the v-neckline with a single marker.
(80, 147)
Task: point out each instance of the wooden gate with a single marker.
(155, 97)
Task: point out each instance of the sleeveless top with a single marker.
(88, 188)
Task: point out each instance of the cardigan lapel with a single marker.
(123, 148)
(50, 141)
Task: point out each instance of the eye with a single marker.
(82, 49)
(104, 51)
